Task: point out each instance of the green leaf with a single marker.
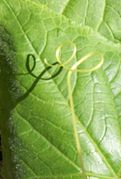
(39, 141)
(103, 16)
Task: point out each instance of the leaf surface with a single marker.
(103, 16)
(41, 140)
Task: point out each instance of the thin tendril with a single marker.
(85, 58)
(31, 69)
(71, 101)
(71, 57)
(47, 63)
(37, 78)
(74, 124)
(72, 69)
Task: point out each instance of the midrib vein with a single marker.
(73, 175)
(66, 5)
(27, 38)
(29, 42)
(86, 11)
(81, 125)
(103, 15)
(21, 28)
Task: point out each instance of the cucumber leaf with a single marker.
(37, 132)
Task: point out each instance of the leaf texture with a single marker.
(41, 142)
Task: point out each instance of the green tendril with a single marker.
(58, 54)
(71, 70)
(74, 68)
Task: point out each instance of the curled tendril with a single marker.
(31, 69)
(58, 54)
(76, 64)
(85, 58)
(71, 70)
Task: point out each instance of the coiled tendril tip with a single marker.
(74, 67)
(47, 63)
(85, 58)
(58, 54)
